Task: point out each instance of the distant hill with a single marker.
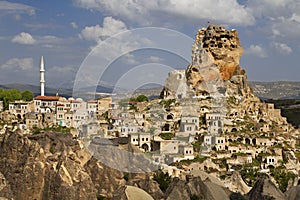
(36, 89)
(53, 91)
(276, 90)
(265, 90)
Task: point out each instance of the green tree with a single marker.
(27, 95)
(9, 96)
(163, 179)
(282, 177)
(142, 98)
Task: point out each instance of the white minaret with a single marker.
(42, 81)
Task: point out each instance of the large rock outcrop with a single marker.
(52, 166)
(293, 193)
(264, 188)
(214, 82)
(195, 188)
(214, 69)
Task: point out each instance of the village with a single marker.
(159, 126)
(185, 130)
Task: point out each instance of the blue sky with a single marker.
(66, 31)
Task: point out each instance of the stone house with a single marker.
(33, 119)
(214, 123)
(46, 101)
(186, 151)
(60, 114)
(239, 159)
(271, 160)
(19, 108)
(89, 129)
(92, 108)
(142, 140)
(69, 119)
(220, 143)
(233, 149)
(75, 104)
(189, 124)
(125, 130)
(209, 140)
(261, 141)
(165, 146)
(80, 114)
(139, 118)
(103, 105)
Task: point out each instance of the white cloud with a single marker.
(295, 17)
(115, 46)
(256, 50)
(282, 48)
(272, 8)
(148, 12)
(110, 27)
(16, 8)
(23, 38)
(280, 18)
(48, 41)
(37, 26)
(74, 25)
(18, 64)
(155, 59)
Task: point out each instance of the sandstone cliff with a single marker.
(52, 166)
(214, 82)
(264, 188)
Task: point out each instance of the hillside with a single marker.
(276, 90)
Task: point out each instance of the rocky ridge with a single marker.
(52, 166)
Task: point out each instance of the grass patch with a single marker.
(167, 136)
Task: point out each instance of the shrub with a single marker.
(163, 179)
(166, 136)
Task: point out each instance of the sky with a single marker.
(124, 39)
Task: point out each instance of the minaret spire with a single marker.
(42, 72)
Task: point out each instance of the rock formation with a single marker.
(52, 166)
(238, 184)
(131, 193)
(215, 65)
(55, 166)
(293, 193)
(215, 80)
(264, 188)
